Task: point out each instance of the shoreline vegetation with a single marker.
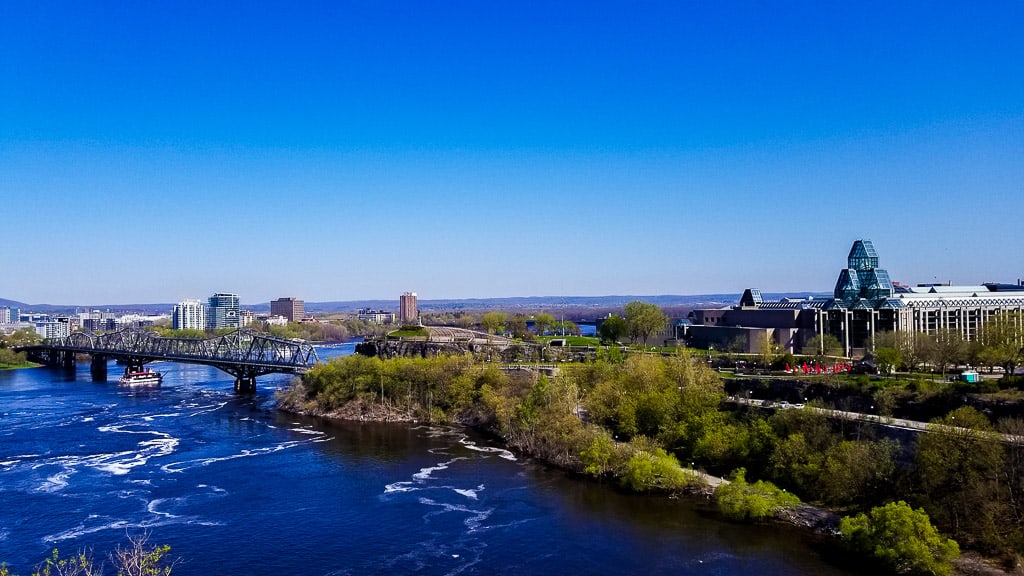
(11, 360)
(660, 425)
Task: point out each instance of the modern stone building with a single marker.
(864, 303)
(291, 308)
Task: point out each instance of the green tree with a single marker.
(598, 458)
(737, 345)
(827, 345)
(767, 348)
(81, 564)
(566, 327)
(22, 337)
(902, 538)
(913, 347)
(887, 359)
(1002, 341)
(465, 321)
(492, 321)
(650, 468)
(948, 348)
(855, 471)
(517, 326)
(958, 464)
(643, 320)
(181, 333)
(542, 323)
(613, 329)
(9, 357)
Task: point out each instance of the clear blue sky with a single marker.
(154, 151)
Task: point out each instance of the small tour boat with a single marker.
(143, 379)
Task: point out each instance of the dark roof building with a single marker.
(864, 303)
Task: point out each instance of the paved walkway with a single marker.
(873, 418)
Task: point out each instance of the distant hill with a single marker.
(509, 304)
(551, 302)
(12, 304)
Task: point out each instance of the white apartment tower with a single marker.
(189, 314)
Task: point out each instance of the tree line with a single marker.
(631, 421)
(21, 337)
(639, 321)
(999, 342)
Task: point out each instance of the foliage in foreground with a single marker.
(902, 538)
(741, 500)
(137, 558)
(631, 421)
(23, 337)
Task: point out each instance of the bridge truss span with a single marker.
(244, 354)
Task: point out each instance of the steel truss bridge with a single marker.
(244, 354)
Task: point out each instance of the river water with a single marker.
(236, 487)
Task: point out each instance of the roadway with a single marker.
(888, 421)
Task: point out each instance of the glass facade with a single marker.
(222, 311)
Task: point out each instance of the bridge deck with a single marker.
(243, 353)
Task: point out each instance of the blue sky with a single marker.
(151, 152)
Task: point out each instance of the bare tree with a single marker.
(140, 558)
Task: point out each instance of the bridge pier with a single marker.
(67, 360)
(98, 368)
(134, 363)
(245, 384)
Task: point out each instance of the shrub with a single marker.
(902, 538)
(650, 468)
(740, 500)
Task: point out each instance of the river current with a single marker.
(236, 487)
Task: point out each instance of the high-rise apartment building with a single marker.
(56, 327)
(292, 309)
(5, 315)
(189, 314)
(222, 311)
(407, 312)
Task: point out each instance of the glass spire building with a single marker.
(864, 303)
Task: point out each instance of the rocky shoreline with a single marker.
(806, 517)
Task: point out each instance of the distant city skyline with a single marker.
(348, 151)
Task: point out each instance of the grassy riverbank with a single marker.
(632, 422)
(4, 366)
(9, 359)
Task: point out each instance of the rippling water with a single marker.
(237, 487)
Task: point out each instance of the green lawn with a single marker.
(573, 340)
(16, 366)
(409, 333)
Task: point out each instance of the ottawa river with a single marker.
(236, 487)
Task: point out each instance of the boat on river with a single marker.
(142, 379)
